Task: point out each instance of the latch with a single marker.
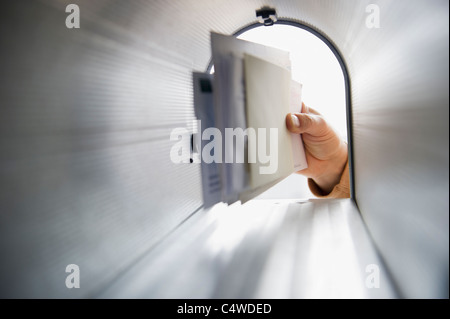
(266, 16)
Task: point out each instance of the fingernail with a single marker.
(295, 120)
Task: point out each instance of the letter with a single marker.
(208, 309)
(73, 19)
(180, 152)
(270, 308)
(197, 143)
(259, 308)
(272, 159)
(190, 309)
(250, 308)
(240, 143)
(373, 19)
(224, 311)
(251, 133)
(215, 146)
(241, 307)
(180, 309)
(373, 279)
(73, 280)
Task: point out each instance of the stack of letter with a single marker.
(242, 141)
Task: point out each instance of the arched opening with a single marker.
(319, 67)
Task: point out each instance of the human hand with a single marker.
(326, 153)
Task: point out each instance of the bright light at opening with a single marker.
(314, 65)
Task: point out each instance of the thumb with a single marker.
(305, 123)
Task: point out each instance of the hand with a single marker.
(326, 153)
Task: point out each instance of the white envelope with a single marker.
(228, 57)
(268, 100)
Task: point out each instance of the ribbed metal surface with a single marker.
(86, 116)
(400, 133)
(86, 176)
(263, 249)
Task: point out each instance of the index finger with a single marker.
(308, 109)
